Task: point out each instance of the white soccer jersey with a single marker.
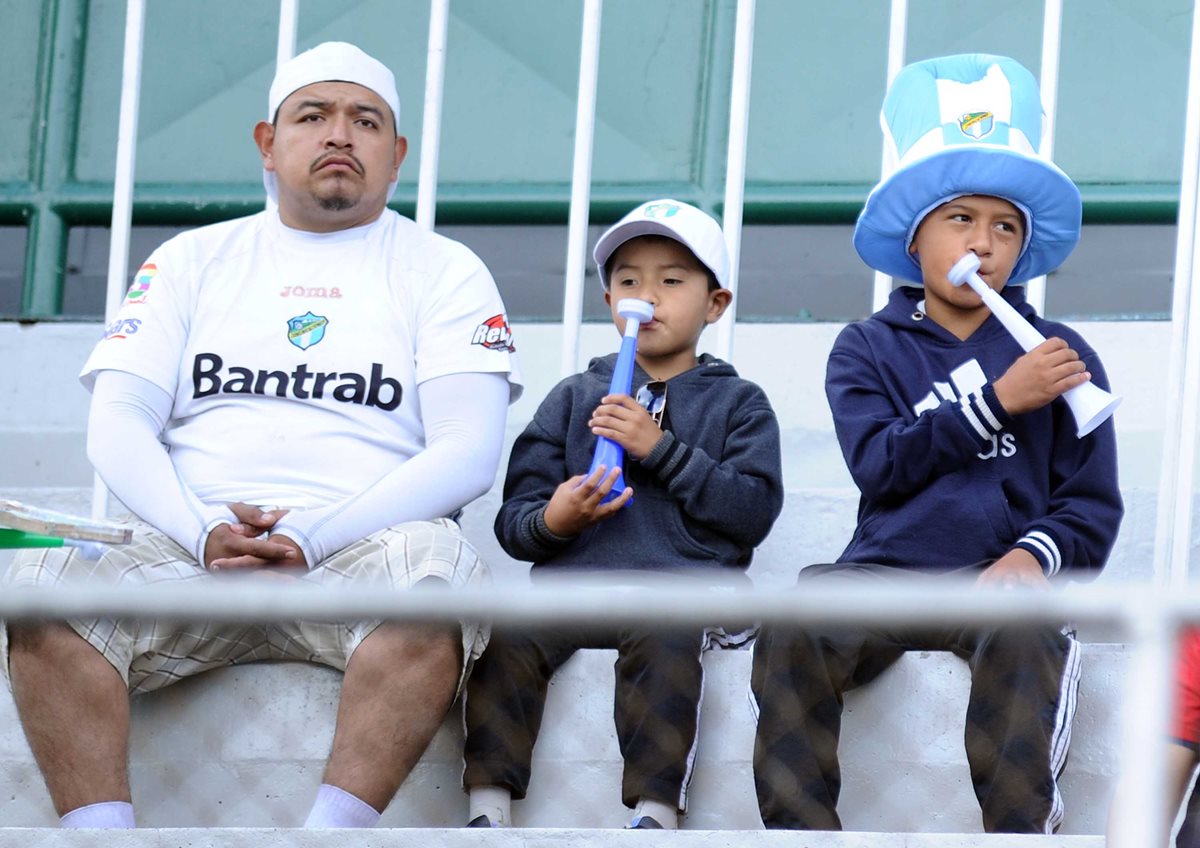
(294, 357)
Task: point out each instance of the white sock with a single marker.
(664, 814)
(338, 808)
(107, 814)
(495, 802)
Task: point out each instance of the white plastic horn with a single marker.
(1089, 403)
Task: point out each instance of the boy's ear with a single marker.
(718, 302)
(608, 298)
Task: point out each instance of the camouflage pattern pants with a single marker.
(1024, 683)
(659, 679)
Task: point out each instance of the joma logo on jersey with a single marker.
(966, 383)
(494, 334)
(311, 291)
(210, 377)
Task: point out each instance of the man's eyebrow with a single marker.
(310, 104)
(324, 105)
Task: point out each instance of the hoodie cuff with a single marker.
(668, 458)
(542, 536)
(983, 413)
(1042, 545)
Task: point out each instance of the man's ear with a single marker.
(718, 302)
(264, 138)
(400, 153)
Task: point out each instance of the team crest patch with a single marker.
(141, 284)
(977, 125)
(660, 210)
(494, 334)
(306, 330)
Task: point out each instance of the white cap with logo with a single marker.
(693, 228)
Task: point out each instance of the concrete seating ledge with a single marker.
(244, 747)
(541, 838)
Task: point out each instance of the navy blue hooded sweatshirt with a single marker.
(706, 494)
(947, 477)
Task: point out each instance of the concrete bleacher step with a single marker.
(245, 747)
(547, 838)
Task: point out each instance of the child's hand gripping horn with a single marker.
(1089, 403)
(608, 453)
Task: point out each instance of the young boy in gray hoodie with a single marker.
(701, 452)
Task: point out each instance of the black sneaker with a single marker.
(480, 821)
(644, 823)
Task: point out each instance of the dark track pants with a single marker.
(659, 680)
(1024, 684)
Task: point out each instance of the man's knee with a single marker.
(414, 644)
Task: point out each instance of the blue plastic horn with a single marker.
(608, 453)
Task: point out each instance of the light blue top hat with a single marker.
(961, 125)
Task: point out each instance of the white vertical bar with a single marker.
(431, 123)
(1172, 541)
(285, 48)
(122, 211)
(1139, 816)
(581, 184)
(1035, 289)
(735, 164)
(897, 38)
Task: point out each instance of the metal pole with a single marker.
(735, 165)
(1173, 533)
(581, 185)
(431, 123)
(285, 48)
(122, 211)
(1139, 815)
(897, 38)
(1035, 289)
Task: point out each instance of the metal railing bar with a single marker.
(735, 167)
(581, 180)
(431, 122)
(1173, 530)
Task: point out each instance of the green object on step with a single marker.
(20, 539)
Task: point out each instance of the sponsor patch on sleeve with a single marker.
(494, 334)
(122, 328)
(140, 290)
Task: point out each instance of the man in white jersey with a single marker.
(285, 394)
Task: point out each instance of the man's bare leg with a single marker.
(398, 686)
(74, 708)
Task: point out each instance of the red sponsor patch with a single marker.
(494, 334)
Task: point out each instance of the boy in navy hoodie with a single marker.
(963, 450)
(702, 453)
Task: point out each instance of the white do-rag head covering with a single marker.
(693, 228)
(967, 125)
(332, 61)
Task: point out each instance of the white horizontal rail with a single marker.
(670, 602)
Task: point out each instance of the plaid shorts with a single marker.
(151, 654)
